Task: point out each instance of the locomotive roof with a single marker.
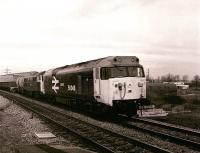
(33, 75)
(21, 73)
(109, 61)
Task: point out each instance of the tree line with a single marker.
(176, 78)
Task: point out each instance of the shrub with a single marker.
(173, 99)
(196, 101)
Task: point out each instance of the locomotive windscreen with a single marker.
(121, 71)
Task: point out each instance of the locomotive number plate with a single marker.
(71, 87)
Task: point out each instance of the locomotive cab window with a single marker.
(104, 73)
(121, 71)
(135, 71)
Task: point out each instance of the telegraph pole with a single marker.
(148, 74)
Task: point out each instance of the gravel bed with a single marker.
(17, 127)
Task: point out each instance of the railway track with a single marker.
(176, 134)
(103, 139)
(169, 126)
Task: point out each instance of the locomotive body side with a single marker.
(63, 85)
(29, 85)
(79, 83)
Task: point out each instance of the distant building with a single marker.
(182, 88)
(178, 83)
(181, 85)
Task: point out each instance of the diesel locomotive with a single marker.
(114, 83)
(117, 83)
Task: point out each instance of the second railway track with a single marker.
(173, 133)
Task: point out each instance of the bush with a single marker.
(173, 99)
(196, 102)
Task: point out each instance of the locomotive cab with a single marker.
(121, 85)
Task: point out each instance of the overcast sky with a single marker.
(43, 34)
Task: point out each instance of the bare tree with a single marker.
(176, 77)
(158, 79)
(185, 78)
(169, 77)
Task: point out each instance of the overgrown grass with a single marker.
(196, 101)
(175, 100)
(160, 94)
(191, 120)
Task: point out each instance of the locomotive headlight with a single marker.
(119, 59)
(140, 84)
